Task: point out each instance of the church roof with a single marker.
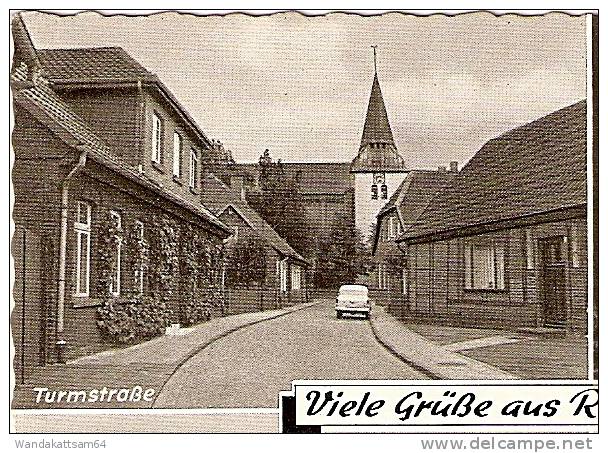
(378, 151)
(377, 129)
(315, 178)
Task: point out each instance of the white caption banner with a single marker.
(446, 404)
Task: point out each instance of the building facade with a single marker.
(284, 276)
(505, 244)
(398, 215)
(107, 205)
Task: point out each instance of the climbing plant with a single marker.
(183, 269)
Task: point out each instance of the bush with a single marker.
(134, 320)
(198, 308)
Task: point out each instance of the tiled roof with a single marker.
(218, 196)
(423, 186)
(105, 65)
(413, 195)
(378, 151)
(98, 64)
(44, 104)
(535, 168)
(322, 178)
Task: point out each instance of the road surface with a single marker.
(249, 367)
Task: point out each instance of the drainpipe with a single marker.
(62, 252)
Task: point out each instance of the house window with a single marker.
(82, 227)
(575, 246)
(529, 250)
(484, 265)
(157, 128)
(141, 270)
(177, 155)
(382, 276)
(115, 279)
(282, 271)
(296, 277)
(193, 167)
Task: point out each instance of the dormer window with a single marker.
(157, 127)
(193, 168)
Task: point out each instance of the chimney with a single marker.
(454, 166)
(237, 184)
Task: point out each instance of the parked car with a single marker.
(353, 299)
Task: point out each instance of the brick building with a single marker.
(285, 276)
(105, 156)
(505, 243)
(398, 215)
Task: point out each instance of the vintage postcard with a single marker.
(305, 223)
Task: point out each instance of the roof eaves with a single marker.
(102, 155)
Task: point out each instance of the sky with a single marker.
(300, 85)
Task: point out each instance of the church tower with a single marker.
(378, 168)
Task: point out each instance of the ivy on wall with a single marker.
(182, 271)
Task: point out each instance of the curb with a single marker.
(212, 340)
(389, 348)
(471, 369)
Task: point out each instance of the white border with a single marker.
(376, 442)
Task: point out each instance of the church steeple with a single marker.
(378, 151)
(377, 129)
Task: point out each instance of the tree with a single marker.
(342, 255)
(280, 203)
(246, 262)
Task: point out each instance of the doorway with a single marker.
(554, 256)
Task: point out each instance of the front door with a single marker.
(553, 281)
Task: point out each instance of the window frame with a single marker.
(157, 138)
(382, 276)
(140, 273)
(496, 256)
(296, 277)
(117, 275)
(192, 177)
(177, 154)
(282, 274)
(529, 249)
(82, 229)
(575, 246)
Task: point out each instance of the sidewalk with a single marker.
(432, 358)
(148, 364)
(475, 353)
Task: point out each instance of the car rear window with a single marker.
(354, 291)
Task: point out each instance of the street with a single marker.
(249, 367)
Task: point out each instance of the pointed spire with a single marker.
(377, 129)
(378, 151)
